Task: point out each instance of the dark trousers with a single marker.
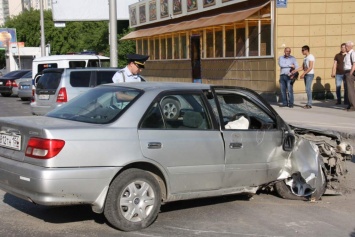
(350, 87)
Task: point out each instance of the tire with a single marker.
(25, 99)
(284, 191)
(7, 94)
(171, 108)
(133, 200)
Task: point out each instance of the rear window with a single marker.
(15, 74)
(80, 79)
(27, 75)
(100, 105)
(104, 77)
(43, 66)
(49, 81)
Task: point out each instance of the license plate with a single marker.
(43, 97)
(25, 87)
(11, 141)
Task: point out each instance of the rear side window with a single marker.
(49, 81)
(98, 63)
(43, 66)
(74, 64)
(104, 77)
(80, 79)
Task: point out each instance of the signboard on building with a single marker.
(281, 3)
(7, 36)
(88, 10)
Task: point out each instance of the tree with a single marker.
(124, 47)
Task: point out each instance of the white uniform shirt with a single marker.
(125, 75)
(306, 61)
(347, 61)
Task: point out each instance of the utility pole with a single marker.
(113, 33)
(43, 40)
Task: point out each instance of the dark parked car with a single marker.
(112, 148)
(7, 82)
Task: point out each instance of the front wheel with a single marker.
(284, 191)
(133, 200)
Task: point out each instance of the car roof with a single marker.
(69, 57)
(48, 70)
(163, 85)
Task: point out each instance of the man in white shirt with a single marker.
(131, 72)
(308, 73)
(349, 68)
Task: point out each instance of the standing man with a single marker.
(349, 68)
(286, 63)
(131, 72)
(338, 74)
(308, 74)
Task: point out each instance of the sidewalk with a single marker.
(324, 115)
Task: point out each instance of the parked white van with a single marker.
(68, 61)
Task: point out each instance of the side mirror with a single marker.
(288, 142)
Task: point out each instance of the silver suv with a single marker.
(59, 85)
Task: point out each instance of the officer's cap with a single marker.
(138, 59)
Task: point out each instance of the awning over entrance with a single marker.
(221, 19)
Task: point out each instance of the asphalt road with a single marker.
(263, 215)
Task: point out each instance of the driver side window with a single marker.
(240, 113)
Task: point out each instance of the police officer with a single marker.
(131, 72)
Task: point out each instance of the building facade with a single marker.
(238, 42)
(9, 8)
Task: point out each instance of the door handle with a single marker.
(235, 145)
(154, 145)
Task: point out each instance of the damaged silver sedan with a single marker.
(119, 149)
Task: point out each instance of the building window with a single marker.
(253, 39)
(156, 49)
(265, 45)
(163, 48)
(240, 42)
(169, 47)
(209, 43)
(151, 49)
(230, 43)
(184, 45)
(139, 46)
(145, 47)
(176, 47)
(218, 40)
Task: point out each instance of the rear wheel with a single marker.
(133, 200)
(6, 94)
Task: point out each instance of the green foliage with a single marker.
(75, 37)
(125, 47)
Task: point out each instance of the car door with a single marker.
(253, 141)
(190, 148)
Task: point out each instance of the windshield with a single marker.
(100, 105)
